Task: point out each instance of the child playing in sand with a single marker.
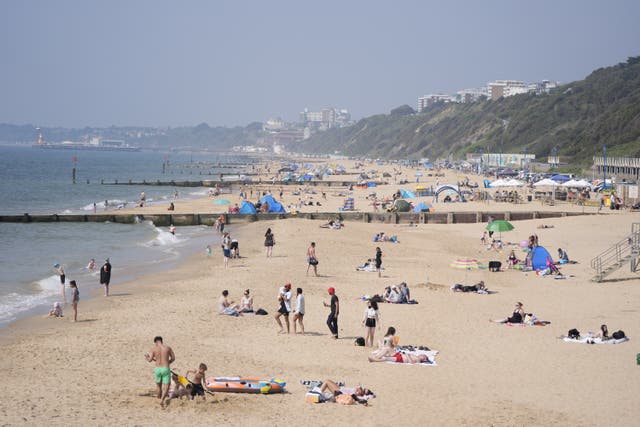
(179, 390)
(56, 311)
(198, 381)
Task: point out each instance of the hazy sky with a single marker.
(100, 63)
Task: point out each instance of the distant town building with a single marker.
(471, 95)
(428, 100)
(325, 119)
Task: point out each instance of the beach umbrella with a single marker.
(221, 202)
(418, 173)
(500, 225)
(560, 178)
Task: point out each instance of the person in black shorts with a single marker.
(198, 380)
(284, 298)
(379, 261)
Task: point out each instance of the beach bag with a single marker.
(345, 399)
(618, 335)
(574, 334)
(261, 312)
(359, 342)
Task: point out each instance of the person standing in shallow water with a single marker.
(105, 276)
(60, 270)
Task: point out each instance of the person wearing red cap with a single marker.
(284, 298)
(332, 320)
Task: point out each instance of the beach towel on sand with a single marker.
(589, 340)
(431, 355)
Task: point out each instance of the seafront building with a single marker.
(493, 90)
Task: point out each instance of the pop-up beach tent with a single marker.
(273, 205)
(402, 205)
(422, 207)
(247, 208)
(407, 194)
(539, 258)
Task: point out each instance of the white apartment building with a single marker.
(428, 100)
(325, 118)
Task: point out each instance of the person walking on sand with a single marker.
(75, 297)
(60, 270)
(332, 320)
(284, 299)
(379, 261)
(298, 311)
(312, 260)
(269, 241)
(163, 356)
(105, 276)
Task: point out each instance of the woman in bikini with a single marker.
(401, 358)
(387, 346)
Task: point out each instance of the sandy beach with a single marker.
(93, 372)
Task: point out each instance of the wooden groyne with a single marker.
(368, 217)
(212, 183)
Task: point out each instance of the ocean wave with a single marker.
(13, 304)
(100, 205)
(49, 285)
(163, 238)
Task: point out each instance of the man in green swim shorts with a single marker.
(163, 356)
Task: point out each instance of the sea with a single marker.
(39, 181)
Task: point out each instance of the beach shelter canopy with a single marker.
(422, 207)
(402, 205)
(247, 208)
(449, 188)
(498, 183)
(273, 205)
(418, 173)
(539, 258)
(407, 194)
(560, 178)
(546, 183)
(576, 184)
(513, 183)
(221, 202)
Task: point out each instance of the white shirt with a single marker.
(286, 296)
(300, 304)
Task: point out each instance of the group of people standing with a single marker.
(105, 279)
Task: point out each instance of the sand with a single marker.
(93, 372)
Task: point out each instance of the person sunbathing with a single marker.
(516, 317)
(401, 358)
(360, 394)
(478, 287)
(394, 296)
(387, 346)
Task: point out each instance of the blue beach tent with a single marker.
(247, 208)
(422, 207)
(539, 258)
(273, 205)
(407, 194)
